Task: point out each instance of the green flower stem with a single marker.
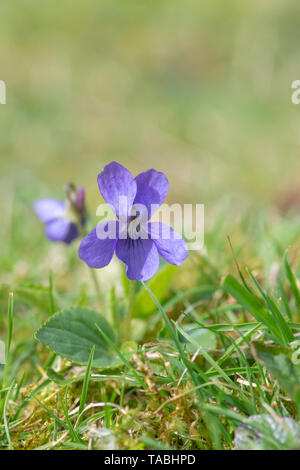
(174, 336)
(99, 294)
(97, 286)
(130, 311)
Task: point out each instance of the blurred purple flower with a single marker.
(140, 255)
(62, 219)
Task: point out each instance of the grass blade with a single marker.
(86, 381)
(251, 304)
(10, 444)
(51, 298)
(68, 421)
(292, 280)
(121, 356)
(287, 335)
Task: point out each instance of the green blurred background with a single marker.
(199, 90)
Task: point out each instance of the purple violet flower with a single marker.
(62, 219)
(139, 253)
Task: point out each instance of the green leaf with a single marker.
(72, 334)
(266, 432)
(279, 362)
(58, 378)
(153, 444)
(198, 337)
(159, 285)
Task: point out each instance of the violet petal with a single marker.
(49, 209)
(152, 189)
(140, 257)
(116, 181)
(98, 252)
(61, 230)
(169, 243)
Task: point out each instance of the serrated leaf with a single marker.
(278, 361)
(73, 332)
(264, 432)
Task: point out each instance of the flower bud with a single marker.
(80, 199)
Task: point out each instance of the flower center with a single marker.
(134, 228)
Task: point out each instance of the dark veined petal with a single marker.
(61, 230)
(72, 235)
(169, 243)
(96, 249)
(140, 257)
(118, 188)
(152, 189)
(49, 209)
